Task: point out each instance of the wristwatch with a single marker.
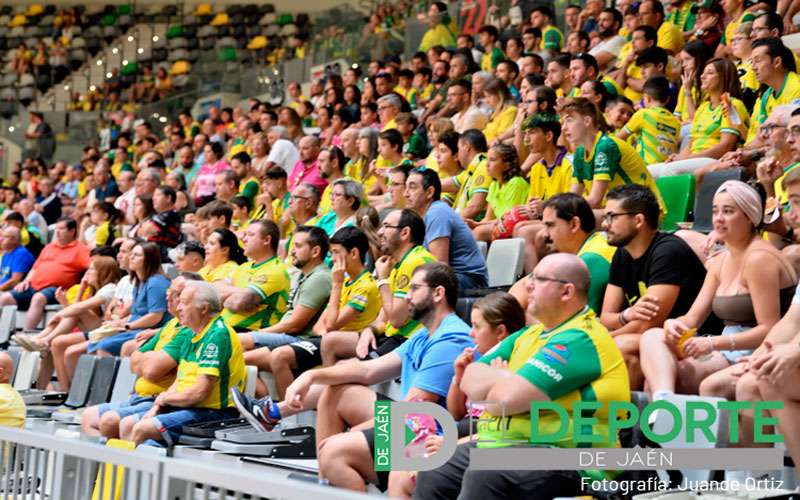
(127, 326)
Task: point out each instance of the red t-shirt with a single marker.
(59, 265)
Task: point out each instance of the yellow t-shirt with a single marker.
(399, 281)
(438, 35)
(670, 38)
(216, 351)
(12, 407)
(657, 133)
(680, 108)
(105, 234)
(544, 184)
(220, 273)
(171, 339)
(789, 91)
(270, 280)
(500, 123)
(361, 294)
(474, 180)
(709, 124)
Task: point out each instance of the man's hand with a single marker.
(383, 266)
(499, 363)
(776, 364)
(22, 286)
(297, 390)
(145, 335)
(338, 270)
(366, 340)
(768, 171)
(713, 245)
(645, 309)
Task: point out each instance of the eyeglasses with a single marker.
(768, 129)
(414, 287)
(794, 131)
(609, 217)
(389, 226)
(542, 279)
(296, 197)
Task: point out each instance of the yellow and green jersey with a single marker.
(361, 294)
(684, 17)
(250, 189)
(219, 273)
(500, 123)
(216, 352)
(657, 133)
(409, 94)
(747, 77)
(670, 38)
(576, 361)
(105, 234)
(788, 92)
(597, 254)
(733, 26)
(171, 339)
(614, 160)
(474, 180)
(710, 122)
(400, 280)
(681, 111)
(780, 193)
(552, 38)
(546, 182)
(270, 280)
(491, 59)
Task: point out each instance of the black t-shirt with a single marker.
(667, 261)
(169, 231)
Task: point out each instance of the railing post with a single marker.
(65, 478)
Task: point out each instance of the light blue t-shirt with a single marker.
(19, 260)
(441, 221)
(428, 359)
(151, 296)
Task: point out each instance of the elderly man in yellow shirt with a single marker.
(12, 407)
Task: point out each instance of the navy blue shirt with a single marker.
(441, 221)
(110, 190)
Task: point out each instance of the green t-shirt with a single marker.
(312, 291)
(503, 198)
(596, 253)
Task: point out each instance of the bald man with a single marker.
(567, 355)
(16, 261)
(12, 407)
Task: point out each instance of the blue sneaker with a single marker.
(255, 411)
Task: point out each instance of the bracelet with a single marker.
(383, 281)
(733, 342)
(622, 319)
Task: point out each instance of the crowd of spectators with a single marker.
(346, 224)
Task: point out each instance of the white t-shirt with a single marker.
(107, 294)
(284, 154)
(613, 45)
(472, 117)
(124, 290)
(124, 203)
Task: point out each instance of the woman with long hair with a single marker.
(99, 282)
(223, 256)
(143, 211)
(720, 123)
(358, 168)
(290, 119)
(693, 58)
(436, 127)
(504, 109)
(508, 189)
(446, 152)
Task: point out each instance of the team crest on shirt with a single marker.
(211, 351)
(479, 180)
(402, 281)
(556, 353)
(259, 279)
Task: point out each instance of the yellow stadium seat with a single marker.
(180, 68)
(220, 19)
(34, 10)
(203, 9)
(18, 20)
(258, 42)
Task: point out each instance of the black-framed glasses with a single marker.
(390, 226)
(414, 287)
(609, 217)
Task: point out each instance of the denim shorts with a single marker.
(135, 405)
(112, 344)
(170, 424)
(272, 340)
(23, 299)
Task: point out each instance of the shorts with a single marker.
(385, 345)
(23, 299)
(112, 344)
(135, 405)
(307, 353)
(170, 424)
(272, 340)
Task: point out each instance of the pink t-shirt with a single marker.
(206, 177)
(308, 174)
